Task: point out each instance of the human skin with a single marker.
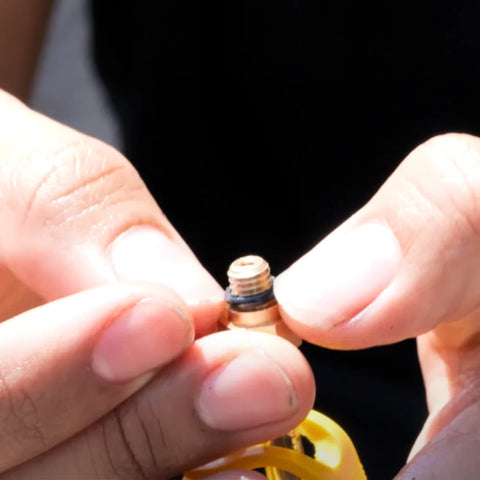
(103, 371)
(406, 265)
(410, 272)
(90, 270)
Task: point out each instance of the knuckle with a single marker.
(80, 179)
(137, 445)
(21, 420)
(27, 424)
(461, 149)
(455, 159)
(119, 448)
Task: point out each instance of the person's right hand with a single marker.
(100, 301)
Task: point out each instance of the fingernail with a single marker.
(250, 391)
(141, 339)
(340, 276)
(145, 254)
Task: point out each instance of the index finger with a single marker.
(76, 214)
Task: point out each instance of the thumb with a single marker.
(75, 214)
(404, 263)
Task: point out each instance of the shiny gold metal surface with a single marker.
(249, 275)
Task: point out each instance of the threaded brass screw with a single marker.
(249, 275)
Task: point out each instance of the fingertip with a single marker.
(257, 381)
(340, 276)
(147, 254)
(336, 281)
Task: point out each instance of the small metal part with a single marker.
(250, 299)
(249, 275)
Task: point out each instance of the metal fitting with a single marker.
(250, 299)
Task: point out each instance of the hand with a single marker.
(407, 264)
(100, 300)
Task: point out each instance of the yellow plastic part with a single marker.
(335, 455)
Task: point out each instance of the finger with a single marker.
(229, 390)
(453, 453)
(404, 263)
(450, 361)
(67, 363)
(75, 214)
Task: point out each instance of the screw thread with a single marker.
(249, 275)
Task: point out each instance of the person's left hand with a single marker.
(406, 265)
